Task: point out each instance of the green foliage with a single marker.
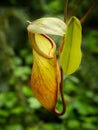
(19, 110)
(70, 56)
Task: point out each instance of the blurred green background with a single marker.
(19, 110)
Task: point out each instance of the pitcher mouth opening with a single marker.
(36, 39)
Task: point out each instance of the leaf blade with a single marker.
(70, 56)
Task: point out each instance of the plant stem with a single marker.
(56, 112)
(88, 12)
(65, 11)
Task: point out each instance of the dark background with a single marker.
(19, 110)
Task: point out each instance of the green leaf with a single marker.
(4, 113)
(92, 41)
(26, 91)
(70, 55)
(34, 103)
(15, 127)
(17, 110)
(73, 124)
